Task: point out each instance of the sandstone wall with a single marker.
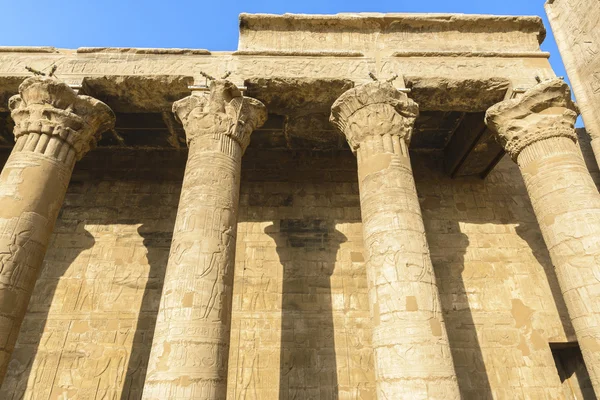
(300, 319)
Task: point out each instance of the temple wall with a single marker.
(300, 312)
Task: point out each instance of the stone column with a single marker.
(191, 340)
(412, 353)
(54, 127)
(537, 131)
(574, 24)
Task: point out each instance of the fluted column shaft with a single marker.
(412, 353)
(53, 128)
(191, 340)
(538, 132)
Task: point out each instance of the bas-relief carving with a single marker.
(383, 32)
(191, 342)
(53, 127)
(377, 121)
(271, 335)
(21, 246)
(577, 29)
(355, 68)
(537, 130)
(253, 363)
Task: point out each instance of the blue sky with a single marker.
(203, 24)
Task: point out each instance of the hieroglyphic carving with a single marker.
(53, 127)
(74, 67)
(384, 33)
(191, 342)
(576, 26)
(538, 131)
(408, 327)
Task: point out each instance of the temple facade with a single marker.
(351, 206)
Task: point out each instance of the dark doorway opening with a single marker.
(572, 371)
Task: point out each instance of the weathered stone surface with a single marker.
(9, 87)
(576, 27)
(297, 96)
(66, 125)
(134, 50)
(304, 291)
(306, 104)
(54, 127)
(485, 246)
(190, 349)
(406, 313)
(388, 33)
(134, 93)
(543, 112)
(466, 95)
(377, 106)
(312, 130)
(537, 130)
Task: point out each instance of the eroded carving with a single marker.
(224, 111)
(49, 108)
(53, 128)
(408, 326)
(545, 111)
(537, 131)
(375, 109)
(191, 343)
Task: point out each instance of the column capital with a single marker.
(221, 111)
(374, 109)
(48, 107)
(544, 111)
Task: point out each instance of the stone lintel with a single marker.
(141, 50)
(476, 54)
(28, 49)
(337, 63)
(390, 33)
(299, 53)
(138, 93)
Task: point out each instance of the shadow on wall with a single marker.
(41, 350)
(449, 265)
(486, 273)
(158, 244)
(530, 232)
(30, 352)
(307, 250)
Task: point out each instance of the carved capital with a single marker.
(544, 111)
(221, 111)
(59, 116)
(371, 110)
